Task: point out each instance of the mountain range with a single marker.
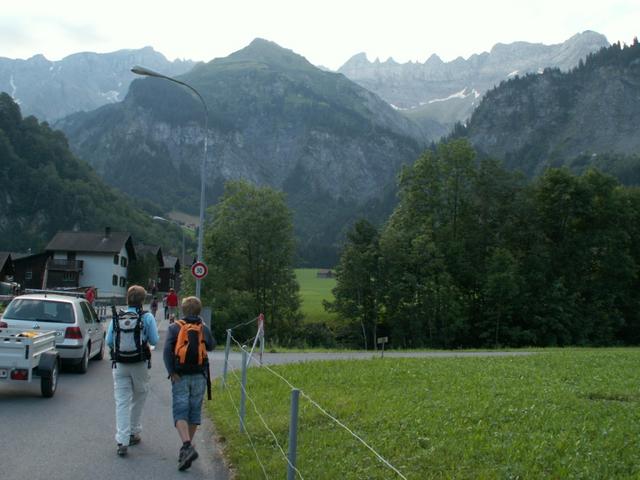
(333, 146)
(588, 116)
(80, 82)
(438, 94)
(274, 119)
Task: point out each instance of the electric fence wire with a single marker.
(246, 431)
(243, 345)
(275, 438)
(315, 404)
(244, 324)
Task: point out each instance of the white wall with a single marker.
(98, 270)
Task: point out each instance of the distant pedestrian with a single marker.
(164, 307)
(172, 302)
(186, 360)
(90, 295)
(154, 307)
(129, 336)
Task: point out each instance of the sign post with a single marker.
(382, 340)
(199, 270)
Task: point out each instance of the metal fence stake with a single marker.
(243, 389)
(261, 333)
(227, 348)
(293, 434)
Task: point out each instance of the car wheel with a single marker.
(83, 366)
(100, 354)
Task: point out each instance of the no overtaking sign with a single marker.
(199, 270)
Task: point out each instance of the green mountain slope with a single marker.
(45, 188)
(274, 119)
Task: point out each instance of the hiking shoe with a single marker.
(122, 450)
(134, 439)
(186, 457)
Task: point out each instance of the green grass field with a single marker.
(313, 291)
(558, 414)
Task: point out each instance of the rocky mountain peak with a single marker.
(437, 92)
(266, 51)
(82, 81)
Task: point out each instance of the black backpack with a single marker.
(127, 338)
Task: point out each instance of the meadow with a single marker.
(554, 414)
(313, 291)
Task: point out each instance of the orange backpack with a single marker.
(190, 351)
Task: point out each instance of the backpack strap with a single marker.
(116, 335)
(140, 328)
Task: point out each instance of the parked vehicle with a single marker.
(25, 354)
(78, 331)
(8, 290)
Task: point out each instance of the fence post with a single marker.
(243, 389)
(293, 434)
(261, 332)
(227, 347)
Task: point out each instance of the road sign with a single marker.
(199, 270)
(382, 340)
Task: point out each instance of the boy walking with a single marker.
(131, 357)
(185, 357)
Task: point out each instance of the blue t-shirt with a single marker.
(149, 329)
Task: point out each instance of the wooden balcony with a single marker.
(66, 265)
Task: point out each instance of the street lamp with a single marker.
(150, 73)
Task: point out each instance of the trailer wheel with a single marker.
(49, 370)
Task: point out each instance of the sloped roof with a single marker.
(4, 258)
(155, 250)
(171, 262)
(92, 242)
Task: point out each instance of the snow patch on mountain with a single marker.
(461, 94)
(111, 96)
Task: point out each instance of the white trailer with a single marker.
(25, 354)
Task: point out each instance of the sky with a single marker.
(326, 32)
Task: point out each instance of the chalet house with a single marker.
(7, 270)
(30, 269)
(324, 273)
(145, 254)
(84, 259)
(169, 274)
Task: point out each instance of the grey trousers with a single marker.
(130, 388)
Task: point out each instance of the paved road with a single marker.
(70, 436)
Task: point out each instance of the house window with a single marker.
(123, 261)
(28, 275)
(123, 282)
(114, 280)
(116, 259)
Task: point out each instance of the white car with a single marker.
(79, 333)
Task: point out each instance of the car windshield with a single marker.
(39, 311)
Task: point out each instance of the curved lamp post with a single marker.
(150, 73)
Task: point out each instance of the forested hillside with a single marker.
(588, 116)
(45, 188)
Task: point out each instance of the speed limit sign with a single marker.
(199, 270)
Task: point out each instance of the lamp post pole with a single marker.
(150, 73)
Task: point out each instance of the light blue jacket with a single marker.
(149, 329)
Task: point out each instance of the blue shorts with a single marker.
(188, 394)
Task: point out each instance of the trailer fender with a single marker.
(47, 362)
